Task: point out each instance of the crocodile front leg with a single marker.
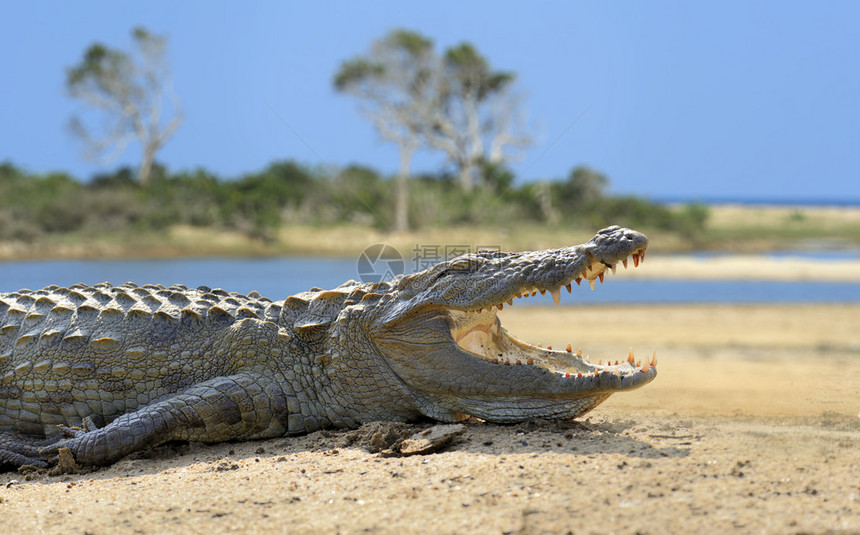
(244, 406)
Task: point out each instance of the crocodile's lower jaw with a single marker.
(481, 334)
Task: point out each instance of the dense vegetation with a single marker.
(289, 193)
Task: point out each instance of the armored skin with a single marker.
(109, 370)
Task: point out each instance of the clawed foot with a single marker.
(21, 450)
(74, 437)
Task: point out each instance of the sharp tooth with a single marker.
(579, 374)
(642, 255)
(624, 262)
(645, 368)
(579, 352)
(480, 310)
(654, 359)
(556, 295)
(543, 292)
(630, 357)
(510, 302)
(500, 306)
(596, 373)
(600, 277)
(616, 363)
(568, 287)
(635, 260)
(549, 347)
(578, 281)
(613, 267)
(600, 363)
(568, 348)
(591, 283)
(534, 294)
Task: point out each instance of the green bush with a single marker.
(285, 192)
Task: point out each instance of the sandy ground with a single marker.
(752, 426)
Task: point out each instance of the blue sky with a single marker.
(688, 100)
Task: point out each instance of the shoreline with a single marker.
(760, 267)
(741, 231)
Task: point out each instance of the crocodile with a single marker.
(109, 370)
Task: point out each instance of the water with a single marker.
(278, 278)
(836, 255)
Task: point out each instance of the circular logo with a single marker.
(380, 263)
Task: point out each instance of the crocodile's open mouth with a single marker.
(480, 333)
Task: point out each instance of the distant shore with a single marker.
(745, 233)
(748, 267)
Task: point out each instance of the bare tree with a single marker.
(394, 82)
(506, 128)
(475, 116)
(454, 103)
(129, 90)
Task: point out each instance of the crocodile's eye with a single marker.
(459, 267)
(463, 265)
